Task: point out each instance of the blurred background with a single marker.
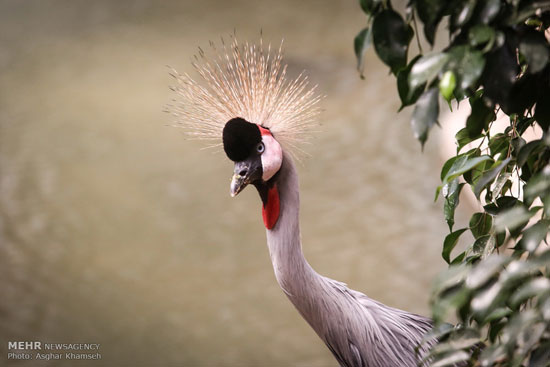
(116, 229)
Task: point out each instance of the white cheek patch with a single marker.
(272, 157)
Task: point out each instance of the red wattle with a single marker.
(270, 210)
(264, 131)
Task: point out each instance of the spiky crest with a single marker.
(249, 82)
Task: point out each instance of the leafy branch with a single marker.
(498, 57)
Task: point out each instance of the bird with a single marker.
(243, 101)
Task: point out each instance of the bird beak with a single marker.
(245, 172)
(238, 183)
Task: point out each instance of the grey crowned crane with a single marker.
(245, 100)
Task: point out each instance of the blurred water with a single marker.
(115, 229)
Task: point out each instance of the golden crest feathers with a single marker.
(244, 81)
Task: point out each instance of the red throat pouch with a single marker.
(270, 210)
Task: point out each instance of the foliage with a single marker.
(498, 57)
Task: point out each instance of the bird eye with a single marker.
(260, 148)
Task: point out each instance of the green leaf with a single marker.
(533, 235)
(462, 338)
(532, 288)
(451, 193)
(447, 85)
(438, 332)
(512, 218)
(481, 34)
(506, 202)
(477, 173)
(488, 11)
(463, 138)
(542, 259)
(369, 6)
(361, 44)
(426, 68)
(488, 177)
(495, 328)
(484, 245)
(451, 300)
(486, 270)
(467, 64)
(524, 123)
(425, 115)
(531, 9)
(527, 150)
(540, 356)
(538, 185)
(534, 47)
(487, 299)
(391, 37)
(480, 116)
(480, 224)
(500, 75)
(460, 16)
(546, 203)
(517, 143)
(523, 94)
(542, 111)
(544, 306)
(473, 176)
(491, 354)
(451, 278)
(451, 359)
(462, 165)
(502, 182)
(430, 13)
(408, 96)
(449, 244)
(458, 260)
(499, 144)
(447, 166)
(518, 324)
(497, 314)
(518, 270)
(491, 208)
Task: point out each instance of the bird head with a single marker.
(244, 97)
(256, 153)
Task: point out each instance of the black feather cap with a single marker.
(240, 137)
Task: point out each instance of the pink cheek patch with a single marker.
(272, 157)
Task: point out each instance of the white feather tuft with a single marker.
(249, 82)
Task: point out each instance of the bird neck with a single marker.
(292, 271)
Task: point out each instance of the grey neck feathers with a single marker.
(299, 281)
(285, 247)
